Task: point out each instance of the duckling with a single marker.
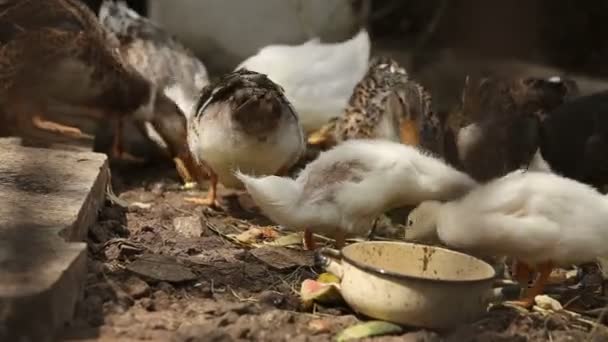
(574, 139)
(56, 59)
(243, 122)
(347, 187)
(318, 77)
(498, 131)
(164, 61)
(385, 104)
(540, 219)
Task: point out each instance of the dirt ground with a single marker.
(165, 270)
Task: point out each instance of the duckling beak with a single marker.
(317, 138)
(409, 132)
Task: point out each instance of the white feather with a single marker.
(318, 78)
(383, 174)
(534, 217)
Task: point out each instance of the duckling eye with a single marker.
(410, 222)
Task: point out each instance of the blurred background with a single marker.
(439, 41)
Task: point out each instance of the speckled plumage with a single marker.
(380, 103)
(155, 53)
(166, 63)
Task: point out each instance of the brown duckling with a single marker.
(56, 60)
(574, 139)
(498, 129)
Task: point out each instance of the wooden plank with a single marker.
(46, 197)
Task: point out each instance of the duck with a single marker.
(56, 62)
(385, 104)
(164, 61)
(243, 121)
(318, 77)
(540, 219)
(346, 188)
(498, 130)
(574, 139)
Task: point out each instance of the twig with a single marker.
(596, 326)
(577, 297)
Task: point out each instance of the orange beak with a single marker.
(409, 133)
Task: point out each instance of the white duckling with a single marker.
(243, 122)
(318, 78)
(347, 187)
(537, 218)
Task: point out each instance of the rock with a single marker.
(161, 268)
(189, 226)
(281, 258)
(136, 288)
(547, 303)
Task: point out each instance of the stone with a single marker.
(48, 201)
(189, 226)
(136, 288)
(161, 268)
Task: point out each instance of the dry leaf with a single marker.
(367, 329)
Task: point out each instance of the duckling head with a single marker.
(170, 123)
(543, 94)
(422, 221)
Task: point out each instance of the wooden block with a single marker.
(51, 188)
(46, 197)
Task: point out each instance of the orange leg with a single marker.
(409, 132)
(51, 126)
(309, 240)
(182, 170)
(521, 273)
(118, 151)
(340, 239)
(544, 271)
(211, 199)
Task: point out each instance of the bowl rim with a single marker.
(386, 273)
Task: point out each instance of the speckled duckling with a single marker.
(243, 122)
(385, 104)
(164, 61)
(56, 60)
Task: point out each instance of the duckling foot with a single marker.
(527, 301)
(211, 199)
(207, 202)
(117, 151)
(51, 126)
(189, 186)
(524, 302)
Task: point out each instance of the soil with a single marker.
(163, 269)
